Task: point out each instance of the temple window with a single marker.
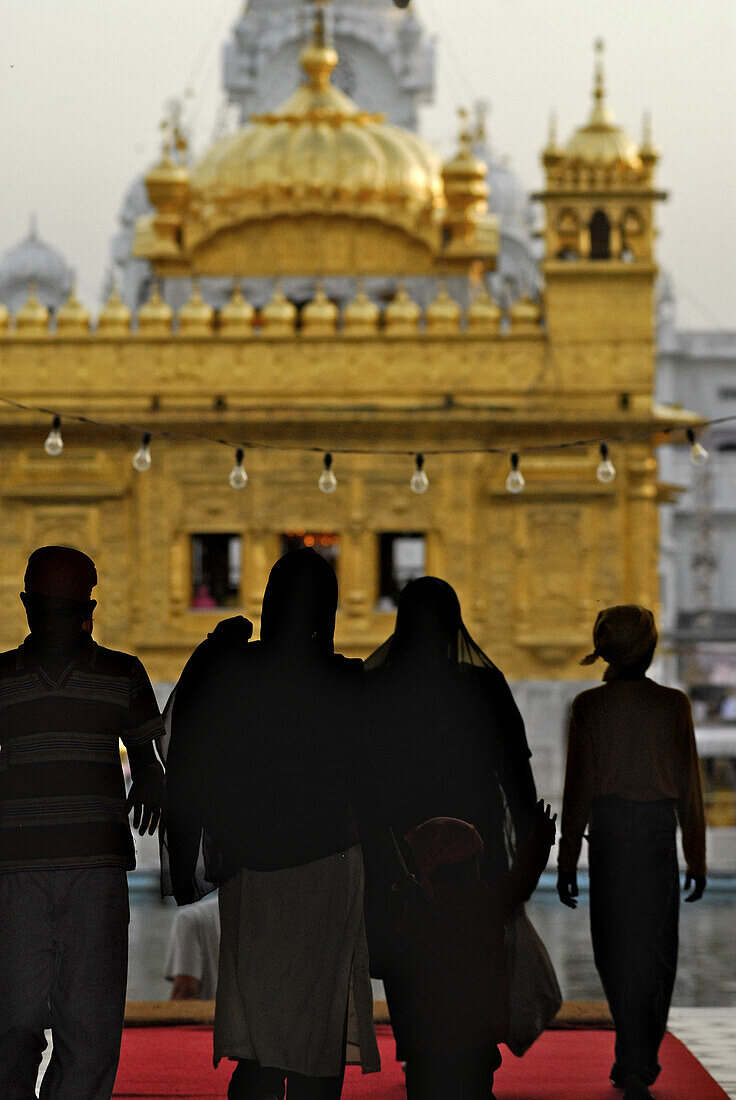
(216, 571)
(401, 558)
(600, 236)
(326, 543)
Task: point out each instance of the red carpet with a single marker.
(562, 1065)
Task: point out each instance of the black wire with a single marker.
(445, 406)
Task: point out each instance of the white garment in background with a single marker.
(194, 945)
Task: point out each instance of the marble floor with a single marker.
(706, 976)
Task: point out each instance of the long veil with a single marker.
(453, 643)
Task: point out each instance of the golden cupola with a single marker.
(601, 140)
(599, 192)
(32, 319)
(319, 317)
(72, 318)
(278, 317)
(237, 315)
(444, 313)
(196, 317)
(466, 190)
(155, 316)
(114, 317)
(361, 316)
(316, 186)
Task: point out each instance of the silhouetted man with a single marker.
(65, 843)
(632, 774)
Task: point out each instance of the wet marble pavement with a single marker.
(706, 975)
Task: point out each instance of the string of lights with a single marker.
(327, 483)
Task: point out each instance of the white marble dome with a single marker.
(34, 261)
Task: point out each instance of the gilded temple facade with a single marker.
(319, 188)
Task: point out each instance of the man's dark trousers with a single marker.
(634, 909)
(63, 965)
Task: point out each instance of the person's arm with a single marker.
(577, 797)
(516, 887)
(515, 771)
(692, 814)
(143, 726)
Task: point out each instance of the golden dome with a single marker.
(72, 318)
(278, 316)
(114, 317)
(401, 316)
(32, 318)
(196, 317)
(601, 140)
(155, 316)
(319, 317)
(525, 315)
(361, 316)
(484, 315)
(319, 151)
(4, 319)
(236, 316)
(443, 314)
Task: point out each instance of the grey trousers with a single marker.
(63, 965)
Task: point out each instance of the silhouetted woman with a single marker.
(448, 741)
(277, 782)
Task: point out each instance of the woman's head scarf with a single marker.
(429, 627)
(623, 636)
(300, 602)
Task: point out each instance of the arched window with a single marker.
(600, 237)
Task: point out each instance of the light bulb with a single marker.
(54, 444)
(142, 457)
(606, 471)
(327, 480)
(515, 481)
(698, 454)
(238, 478)
(419, 482)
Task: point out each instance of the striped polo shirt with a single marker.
(62, 791)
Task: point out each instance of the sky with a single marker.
(84, 84)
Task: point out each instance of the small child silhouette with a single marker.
(452, 947)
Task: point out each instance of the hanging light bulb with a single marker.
(54, 444)
(327, 480)
(515, 481)
(419, 482)
(605, 471)
(238, 478)
(698, 454)
(142, 457)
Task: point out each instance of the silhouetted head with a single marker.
(57, 598)
(447, 852)
(428, 620)
(300, 602)
(624, 636)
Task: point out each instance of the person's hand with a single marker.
(698, 884)
(567, 888)
(186, 988)
(409, 887)
(146, 798)
(544, 821)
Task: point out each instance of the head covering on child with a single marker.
(442, 842)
